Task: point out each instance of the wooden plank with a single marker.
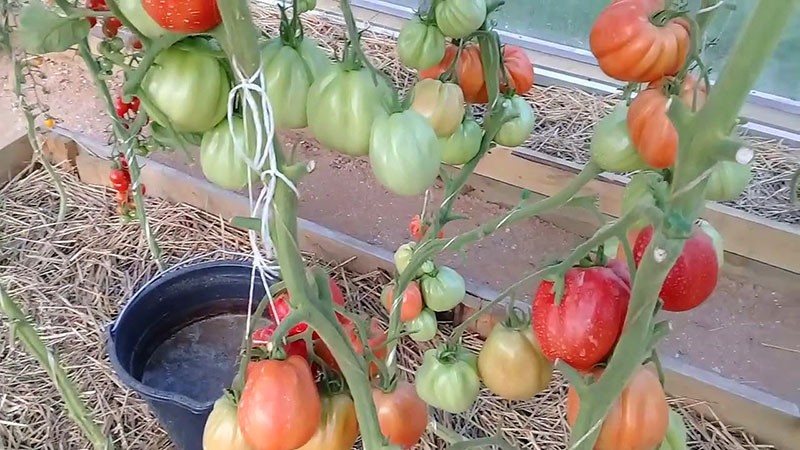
(777, 245)
(771, 419)
(15, 155)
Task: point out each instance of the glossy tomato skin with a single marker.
(404, 153)
(629, 47)
(410, 304)
(516, 131)
(135, 13)
(693, 278)
(342, 108)
(218, 158)
(289, 73)
(442, 104)
(338, 429)
(651, 129)
(460, 18)
(222, 430)
(420, 45)
(585, 327)
(443, 290)
(511, 364)
(611, 147)
(424, 327)
(279, 408)
(402, 415)
(637, 421)
(448, 383)
(469, 69)
(280, 307)
(461, 146)
(190, 88)
(376, 341)
(184, 16)
(728, 180)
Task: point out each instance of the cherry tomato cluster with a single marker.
(123, 109)
(120, 179)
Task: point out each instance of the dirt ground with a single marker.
(746, 332)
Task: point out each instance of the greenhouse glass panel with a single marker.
(568, 22)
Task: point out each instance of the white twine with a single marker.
(262, 155)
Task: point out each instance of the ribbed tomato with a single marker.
(420, 45)
(519, 70)
(693, 278)
(583, 330)
(639, 418)
(469, 71)
(442, 104)
(633, 43)
(184, 16)
(652, 132)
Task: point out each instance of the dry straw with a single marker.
(74, 279)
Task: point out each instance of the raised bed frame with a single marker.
(771, 419)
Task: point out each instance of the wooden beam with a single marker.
(15, 155)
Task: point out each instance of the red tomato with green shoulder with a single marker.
(402, 415)
(280, 307)
(693, 278)
(280, 407)
(584, 328)
(184, 16)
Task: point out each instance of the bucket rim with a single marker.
(150, 393)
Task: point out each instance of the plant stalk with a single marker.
(23, 330)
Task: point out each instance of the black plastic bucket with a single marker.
(175, 343)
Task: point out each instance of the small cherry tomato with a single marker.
(120, 180)
(133, 106)
(97, 5)
(136, 44)
(120, 107)
(111, 27)
(92, 21)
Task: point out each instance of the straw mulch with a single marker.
(73, 279)
(566, 118)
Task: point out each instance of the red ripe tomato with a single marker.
(631, 45)
(694, 276)
(262, 337)
(519, 70)
(97, 5)
(133, 106)
(184, 16)
(411, 304)
(111, 26)
(402, 415)
(281, 308)
(92, 21)
(376, 341)
(120, 180)
(120, 107)
(651, 129)
(280, 407)
(585, 327)
(136, 44)
(469, 70)
(638, 420)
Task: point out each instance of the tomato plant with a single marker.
(443, 289)
(342, 108)
(402, 415)
(190, 88)
(652, 132)
(423, 328)
(728, 180)
(338, 429)
(279, 407)
(638, 420)
(218, 158)
(516, 131)
(376, 341)
(221, 431)
(510, 362)
(289, 72)
(460, 18)
(420, 45)
(410, 304)
(281, 307)
(583, 329)
(611, 147)
(694, 276)
(404, 153)
(461, 146)
(632, 41)
(442, 104)
(448, 379)
(184, 16)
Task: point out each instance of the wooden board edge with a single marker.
(15, 155)
(771, 419)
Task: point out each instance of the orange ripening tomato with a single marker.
(411, 303)
(519, 70)
(652, 132)
(638, 420)
(631, 44)
(402, 415)
(469, 70)
(280, 407)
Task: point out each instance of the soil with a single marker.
(745, 332)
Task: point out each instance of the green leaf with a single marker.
(41, 30)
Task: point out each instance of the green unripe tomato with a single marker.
(424, 327)
(516, 131)
(420, 46)
(727, 181)
(448, 380)
(218, 158)
(611, 147)
(403, 256)
(460, 18)
(464, 144)
(443, 290)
